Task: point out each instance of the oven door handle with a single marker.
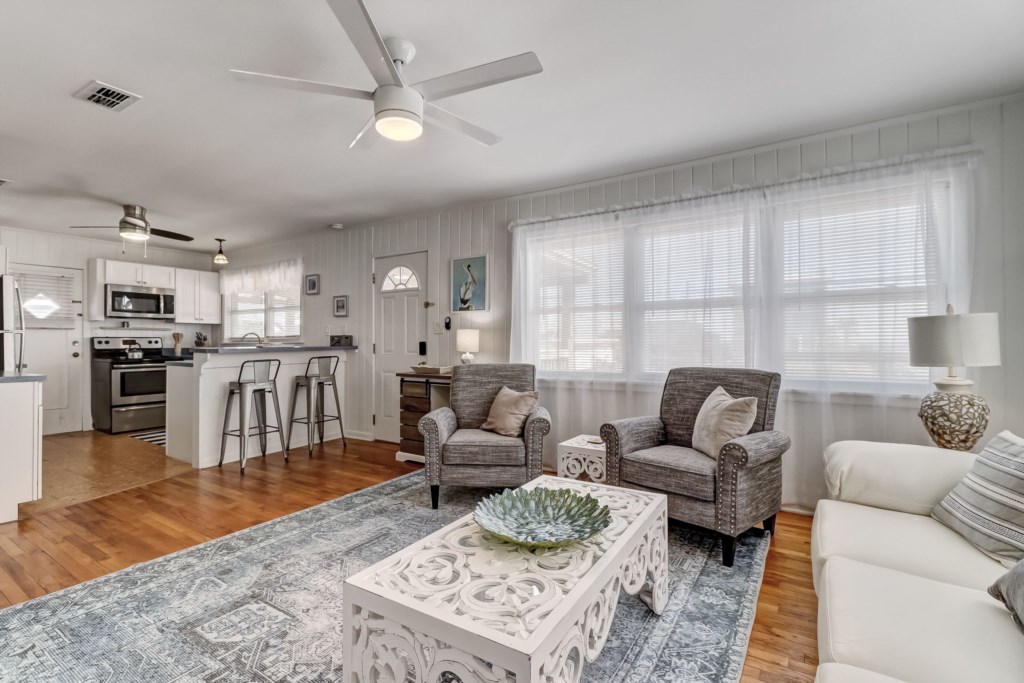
(132, 368)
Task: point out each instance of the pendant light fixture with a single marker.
(220, 259)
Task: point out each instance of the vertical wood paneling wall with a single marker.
(344, 259)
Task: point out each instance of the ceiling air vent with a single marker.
(107, 96)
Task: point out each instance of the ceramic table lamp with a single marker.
(954, 417)
(468, 342)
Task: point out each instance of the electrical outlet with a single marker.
(327, 330)
(438, 328)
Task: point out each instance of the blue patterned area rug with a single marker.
(265, 604)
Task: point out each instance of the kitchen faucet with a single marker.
(259, 339)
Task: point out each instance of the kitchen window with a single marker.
(265, 300)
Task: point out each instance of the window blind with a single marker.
(47, 299)
(815, 280)
(856, 266)
(265, 300)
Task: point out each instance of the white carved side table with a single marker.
(581, 454)
(463, 602)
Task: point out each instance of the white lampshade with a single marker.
(467, 341)
(954, 341)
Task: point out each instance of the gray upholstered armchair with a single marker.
(729, 495)
(458, 452)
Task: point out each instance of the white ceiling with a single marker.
(626, 86)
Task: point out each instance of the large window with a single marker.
(265, 300)
(816, 281)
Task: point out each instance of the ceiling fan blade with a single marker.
(481, 76)
(93, 227)
(362, 131)
(170, 235)
(446, 119)
(300, 84)
(364, 36)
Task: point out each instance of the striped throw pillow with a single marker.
(987, 506)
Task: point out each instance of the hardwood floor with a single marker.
(82, 466)
(55, 548)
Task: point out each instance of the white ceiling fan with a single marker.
(399, 109)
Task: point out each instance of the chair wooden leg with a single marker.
(435, 495)
(769, 525)
(728, 550)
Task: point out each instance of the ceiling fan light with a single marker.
(133, 233)
(398, 125)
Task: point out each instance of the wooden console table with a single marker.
(418, 395)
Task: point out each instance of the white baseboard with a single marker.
(359, 436)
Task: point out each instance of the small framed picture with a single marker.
(469, 284)
(312, 284)
(341, 306)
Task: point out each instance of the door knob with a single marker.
(76, 354)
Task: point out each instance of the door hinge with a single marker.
(373, 278)
(374, 419)
(375, 347)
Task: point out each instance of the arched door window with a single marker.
(400, 279)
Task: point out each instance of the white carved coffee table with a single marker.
(463, 602)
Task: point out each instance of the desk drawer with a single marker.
(411, 433)
(411, 419)
(413, 447)
(421, 405)
(410, 388)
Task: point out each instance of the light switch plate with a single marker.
(438, 328)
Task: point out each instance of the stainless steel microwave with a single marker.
(124, 301)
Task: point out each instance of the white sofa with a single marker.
(900, 596)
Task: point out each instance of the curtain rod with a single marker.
(966, 152)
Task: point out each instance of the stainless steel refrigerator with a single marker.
(12, 325)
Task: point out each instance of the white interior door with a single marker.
(400, 324)
(52, 301)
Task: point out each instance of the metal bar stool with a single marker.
(256, 378)
(319, 374)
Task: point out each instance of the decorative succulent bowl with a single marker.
(542, 517)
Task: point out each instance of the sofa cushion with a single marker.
(673, 469)
(721, 419)
(914, 629)
(842, 673)
(987, 506)
(909, 543)
(893, 476)
(477, 447)
(1009, 590)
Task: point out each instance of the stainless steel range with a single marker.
(129, 383)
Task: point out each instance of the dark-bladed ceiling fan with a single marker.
(399, 109)
(135, 227)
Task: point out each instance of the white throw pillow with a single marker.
(721, 419)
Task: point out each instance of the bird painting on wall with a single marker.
(466, 290)
(469, 284)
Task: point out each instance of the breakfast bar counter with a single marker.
(197, 393)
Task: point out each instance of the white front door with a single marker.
(400, 322)
(52, 300)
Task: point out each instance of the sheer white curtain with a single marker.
(813, 279)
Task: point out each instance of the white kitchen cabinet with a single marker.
(197, 297)
(21, 458)
(122, 273)
(138, 274)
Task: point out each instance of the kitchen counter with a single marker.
(10, 377)
(197, 392)
(269, 349)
